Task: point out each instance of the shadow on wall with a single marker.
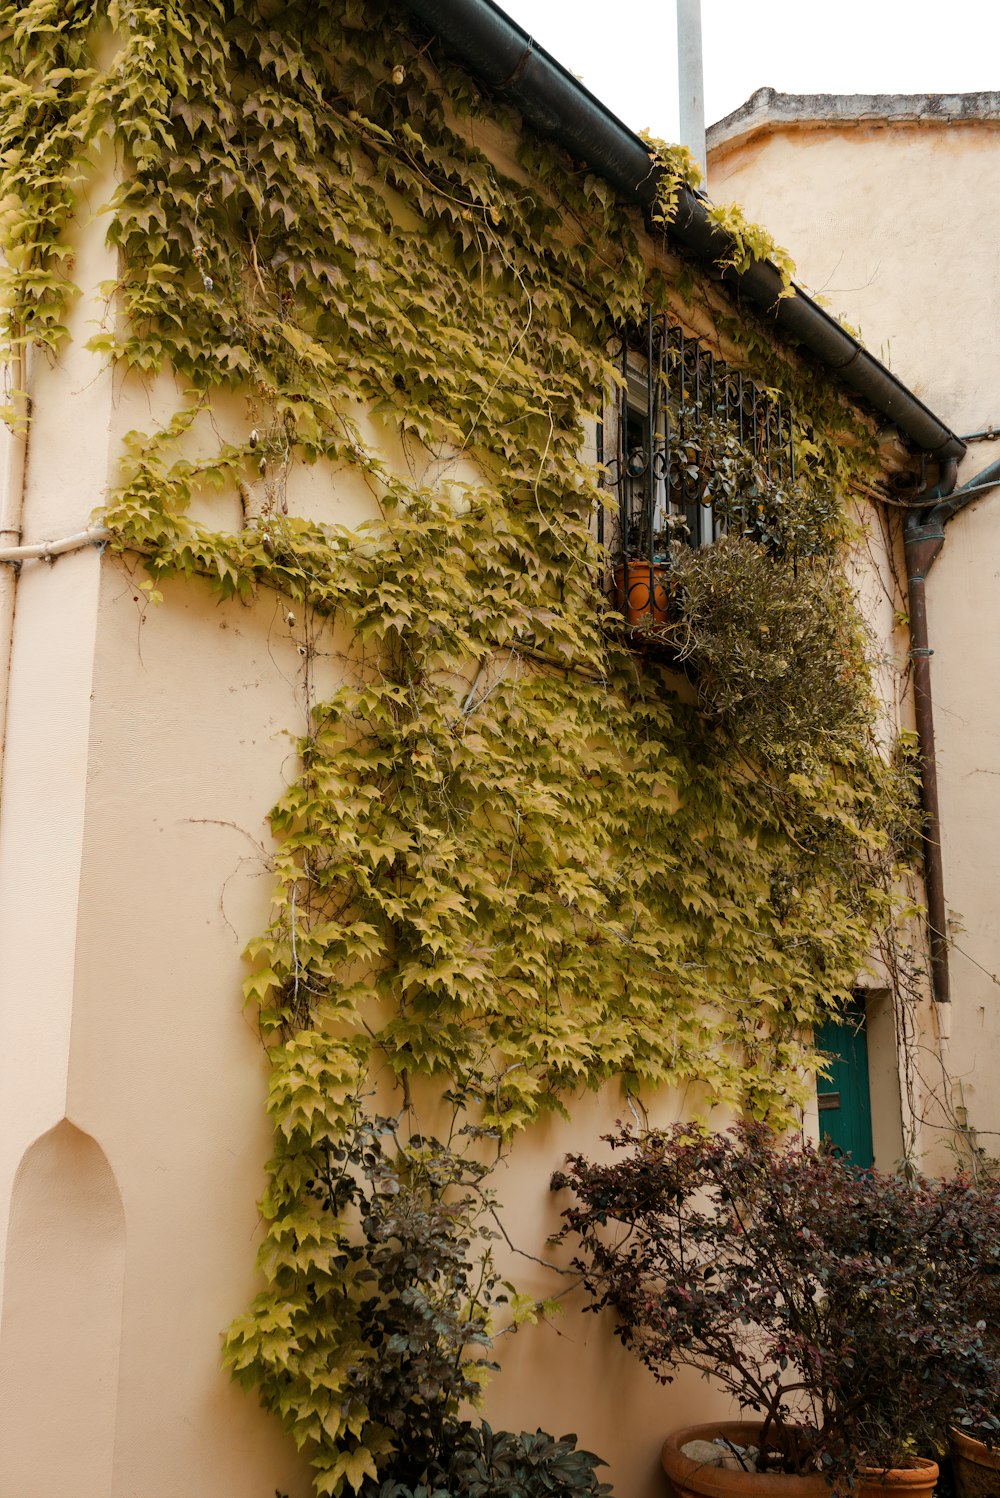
(60, 1331)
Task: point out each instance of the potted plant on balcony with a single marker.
(828, 1301)
(643, 586)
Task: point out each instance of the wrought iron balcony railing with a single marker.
(690, 448)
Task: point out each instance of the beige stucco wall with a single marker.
(888, 223)
(158, 1066)
(42, 821)
(145, 747)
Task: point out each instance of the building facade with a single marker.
(348, 421)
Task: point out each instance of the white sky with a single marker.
(625, 50)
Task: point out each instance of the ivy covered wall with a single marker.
(510, 863)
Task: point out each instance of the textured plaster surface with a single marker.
(196, 706)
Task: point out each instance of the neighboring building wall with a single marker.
(882, 201)
(885, 220)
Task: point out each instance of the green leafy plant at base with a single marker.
(499, 1464)
(511, 863)
(402, 1322)
(408, 1314)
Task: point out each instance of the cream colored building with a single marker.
(881, 197)
(143, 747)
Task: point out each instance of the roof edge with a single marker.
(767, 108)
(504, 57)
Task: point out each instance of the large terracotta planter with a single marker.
(975, 1467)
(640, 603)
(692, 1480)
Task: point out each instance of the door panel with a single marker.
(844, 1098)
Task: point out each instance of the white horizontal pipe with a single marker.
(94, 535)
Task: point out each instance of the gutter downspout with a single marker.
(11, 512)
(923, 538)
(503, 56)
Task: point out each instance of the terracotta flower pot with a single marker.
(690, 1479)
(640, 603)
(975, 1466)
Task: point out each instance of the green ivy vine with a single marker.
(512, 861)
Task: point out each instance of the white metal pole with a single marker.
(690, 74)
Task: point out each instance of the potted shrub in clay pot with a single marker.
(644, 605)
(974, 1439)
(826, 1300)
(975, 1463)
(643, 586)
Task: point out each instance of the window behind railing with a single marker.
(689, 446)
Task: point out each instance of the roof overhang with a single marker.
(505, 59)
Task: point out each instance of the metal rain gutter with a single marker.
(987, 478)
(505, 58)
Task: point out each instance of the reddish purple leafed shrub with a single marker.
(852, 1311)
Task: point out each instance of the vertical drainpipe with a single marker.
(11, 508)
(923, 540)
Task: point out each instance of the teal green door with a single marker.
(845, 1108)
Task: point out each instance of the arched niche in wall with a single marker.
(60, 1328)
